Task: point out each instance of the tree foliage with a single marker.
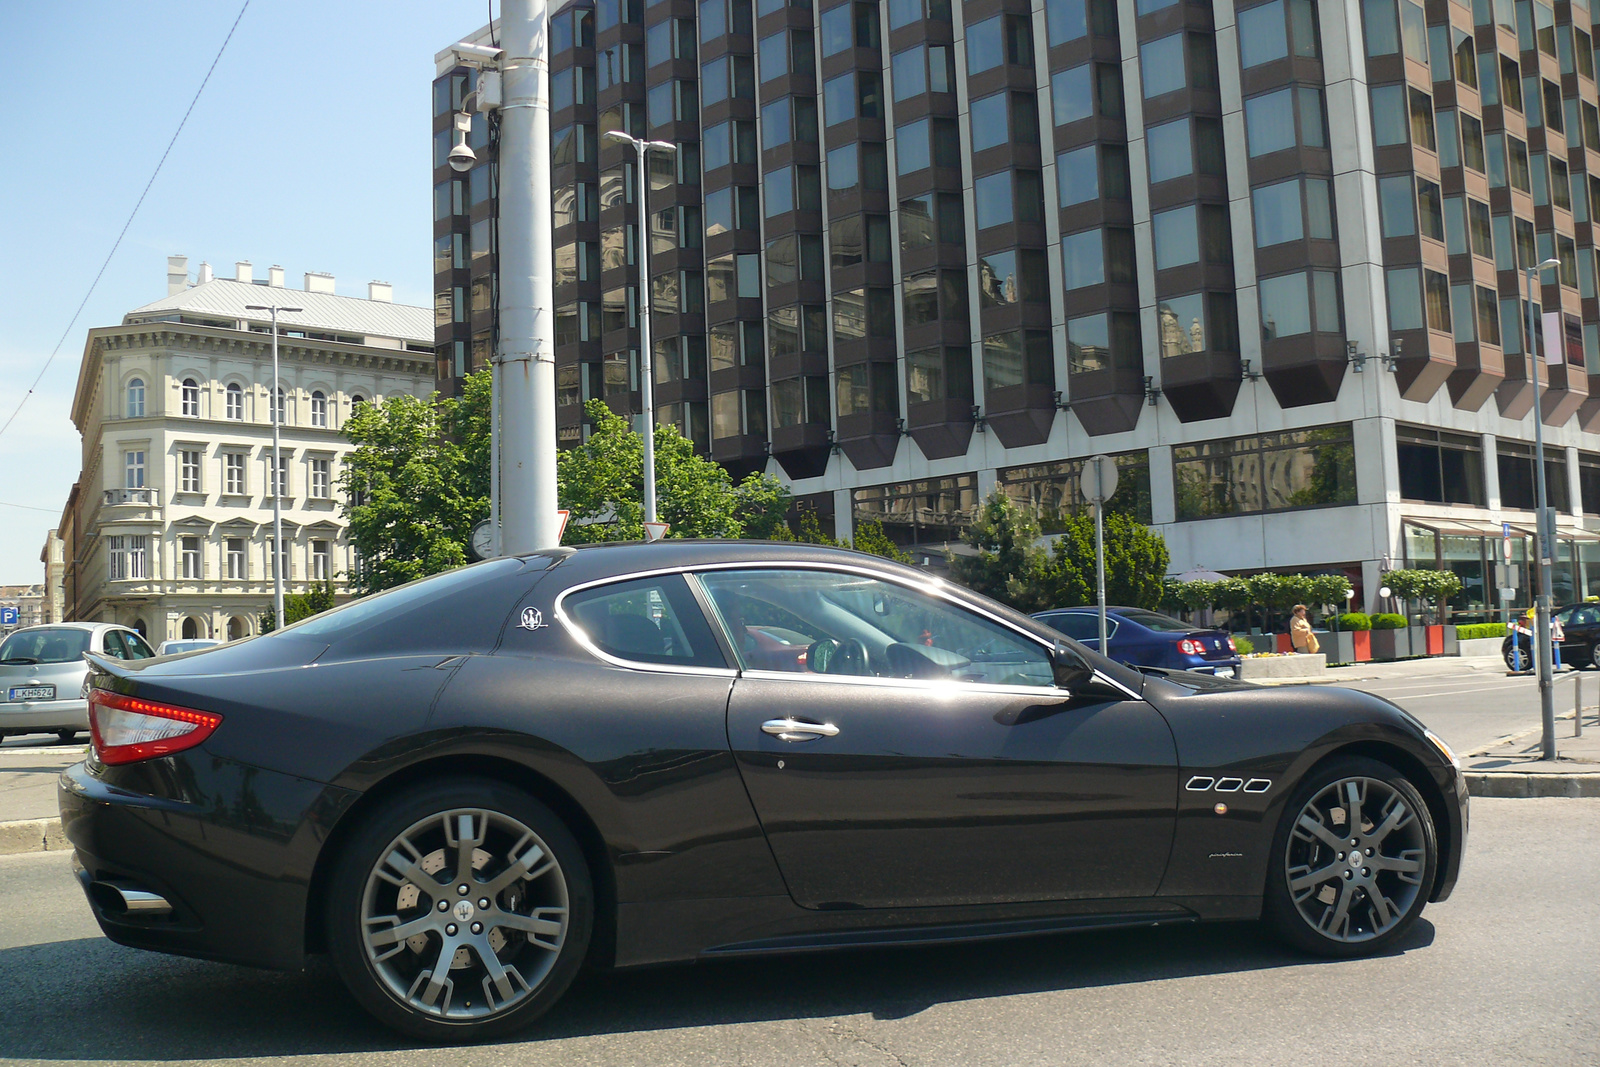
(1011, 567)
(297, 606)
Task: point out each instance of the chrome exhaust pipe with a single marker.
(122, 899)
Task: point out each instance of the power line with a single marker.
(118, 242)
(30, 507)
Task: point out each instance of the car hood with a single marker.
(1196, 681)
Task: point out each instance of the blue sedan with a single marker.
(1143, 638)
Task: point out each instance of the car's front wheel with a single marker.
(459, 910)
(1352, 861)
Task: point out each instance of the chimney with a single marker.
(243, 272)
(318, 282)
(380, 291)
(275, 276)
(177, 274)
(205, 273)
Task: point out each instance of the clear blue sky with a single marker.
(309, 148)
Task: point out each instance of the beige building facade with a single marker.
(169, 529)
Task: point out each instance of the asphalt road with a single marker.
(1503, 973)
(1471, 709)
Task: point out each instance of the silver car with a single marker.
(42, 674)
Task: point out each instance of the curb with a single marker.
(32, 835)
(1504, 784)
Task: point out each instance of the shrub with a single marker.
(1388, 620)
(1476, 630)
(1243, 645)
(1355, 620)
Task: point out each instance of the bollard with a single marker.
(1577, 705)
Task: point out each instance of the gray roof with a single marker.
(226, 298)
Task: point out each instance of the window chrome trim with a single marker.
(933, 586)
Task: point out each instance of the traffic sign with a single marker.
(10, 616)
(655, 531)
(1099, 479)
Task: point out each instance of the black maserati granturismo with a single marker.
(466, 788)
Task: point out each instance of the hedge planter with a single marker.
(1297, 666)
(1420, 645)
(1390, 644)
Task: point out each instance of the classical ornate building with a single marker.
(169, 528)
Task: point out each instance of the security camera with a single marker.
(462, 158)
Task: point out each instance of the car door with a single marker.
(1582, 632)
(918, 752)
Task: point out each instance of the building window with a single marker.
(319, 409)
(128, 556)
(279, 406)
(929, 511)
(1294, 304)
(999, 39)
(1518, 490)
(1439, 468)
(190, 398)
(1273, 472)
(320, 481)
(234, 547)
(235, 402)
(1270, 32)
(233, 474)
(189, 556)
(1285, 118)
(1018, 357)
(939, 374)
(133, 469)
(136, 398)
(283, 474)
(319, 561)
(1103, 342)
(189, 469)
(276, 560)
(1049, 491)
(1197, 322)
(931, 219)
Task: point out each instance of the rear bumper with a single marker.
(43, 716)
(1227, 667)
(232, 848)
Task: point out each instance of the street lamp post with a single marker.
(646, 371)
(277, 469)
(1546, 534)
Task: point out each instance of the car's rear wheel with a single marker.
(459, 910)
(1516, 656)
(1352, 861)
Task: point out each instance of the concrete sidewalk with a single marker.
(1515, 766)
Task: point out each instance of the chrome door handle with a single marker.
(797, 730)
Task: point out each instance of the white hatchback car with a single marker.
(43, 674)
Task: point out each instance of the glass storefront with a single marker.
(1472, 549)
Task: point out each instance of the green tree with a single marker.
(1135, 561)
(297, 606)
(418, 497)
(1007, 565)
(810, 529)
(871, 539)
(602, 481)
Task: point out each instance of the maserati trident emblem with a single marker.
(463, 910)
(532, 619)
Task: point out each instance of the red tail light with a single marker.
(1231, 646)
(1191, 648)
(127, 729)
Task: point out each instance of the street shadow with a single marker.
(90, 999)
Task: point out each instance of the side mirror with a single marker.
(1071, 670)
(820, 656)
(880, 604)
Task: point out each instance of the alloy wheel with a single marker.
(1355, 859)
(464, 915)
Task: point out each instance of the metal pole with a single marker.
(1577, 704)
(1100, 559)
(527, 321)
(277, 488)
(1547, 710)
(494, 455)
(646, 356)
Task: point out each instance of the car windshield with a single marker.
(173, 647)
(1151, 620)
(45, 646)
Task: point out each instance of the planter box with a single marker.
(1479, 646)
(1452, 646)
(1390, 644)
(1418, 637)
(1302, 666)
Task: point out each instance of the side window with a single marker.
(114, 646)
(830, 622)
(137, 649)
(1077, 627)
(647, 620)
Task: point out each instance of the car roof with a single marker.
(90, 626)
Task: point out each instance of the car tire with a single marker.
(526, 870)
(1329, 898)
(1508, 652)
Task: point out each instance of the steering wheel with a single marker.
(851, 658)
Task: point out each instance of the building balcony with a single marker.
(143, 497)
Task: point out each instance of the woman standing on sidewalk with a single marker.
(1300, 635)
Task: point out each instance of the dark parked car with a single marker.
(1580, 646)
(1142, 638)
(637, 754)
